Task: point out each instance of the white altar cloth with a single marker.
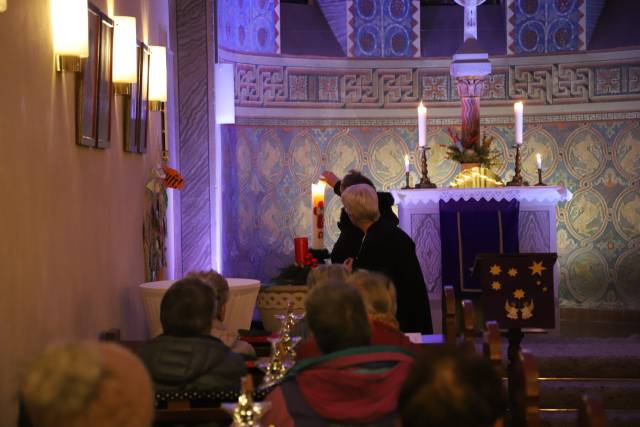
(242, 300)
(419, 214)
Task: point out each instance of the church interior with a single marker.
(145, 140)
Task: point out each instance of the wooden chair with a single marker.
(492, 346)
(591, 412)
(450, 326)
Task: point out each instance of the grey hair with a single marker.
(361, 203)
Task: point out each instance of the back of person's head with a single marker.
(354, 177)
(337, 317)
(325, 272)
(88, 384)
(187, 308)
(452, 388)
(361, 203)
(378, 294)
(219, 285)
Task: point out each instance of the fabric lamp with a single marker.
(70, 26)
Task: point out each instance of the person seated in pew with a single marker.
(387, 249)
(453, 388)
(324, 272)
(379, 297)
(350, 238)
(185, 357)
(87, 384)
(352, 383)
(218, 329)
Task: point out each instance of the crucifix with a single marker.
(470, 21)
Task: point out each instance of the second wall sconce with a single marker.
(125, 54)
(70, 24)
(158, 89)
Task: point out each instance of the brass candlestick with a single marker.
(540, 183)
(425, 182)
(517, 179)
(406, 177)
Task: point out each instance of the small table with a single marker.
(242, 299)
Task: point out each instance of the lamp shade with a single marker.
(3, 5)
(225, 94)
(70, 25)
(158, 74)
(125, 55)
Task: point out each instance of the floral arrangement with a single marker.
(472, 151)
(296, 273)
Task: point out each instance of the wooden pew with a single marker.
(450, 326)
(492, 346)
(591, 412)
(468, 326)
(524, 392)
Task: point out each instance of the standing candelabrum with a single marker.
(517, 179)
(425, 182)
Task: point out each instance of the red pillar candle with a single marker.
(301, 245)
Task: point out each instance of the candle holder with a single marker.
(540, 183)
(517, 179)
(425, 182)
(406, 177)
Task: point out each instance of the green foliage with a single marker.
(292, 274)
(480, 153)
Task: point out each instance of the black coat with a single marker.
(200, 363)
(348, 243)
(389, 250)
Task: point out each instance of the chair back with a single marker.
(591, 412)
(525, 411)
(451, 328)
(492, 347)
(468, 325)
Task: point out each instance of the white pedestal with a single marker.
(419, 215)
(242, 299)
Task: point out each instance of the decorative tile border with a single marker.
(260, 85)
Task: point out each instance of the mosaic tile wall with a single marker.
(544, 26)
(270, 169)
(383, 28)
(249, 25)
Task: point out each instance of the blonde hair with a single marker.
(378, 294)
(325, 272)
(88, 383)
(361, 203)
(219, 285)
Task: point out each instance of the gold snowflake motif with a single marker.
(513, 272)
(495, 269)
(537, 268)
(496, 286)
(518, 294)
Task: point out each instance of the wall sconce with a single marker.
(70, 24)
(225, 94)
(125, 54)
(3, 5)
(158, 89)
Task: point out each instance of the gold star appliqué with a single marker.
(513, 272)
(496, 286)
(495, 269)
(518, 294)
(537, 268)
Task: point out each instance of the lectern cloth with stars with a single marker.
(517, 290)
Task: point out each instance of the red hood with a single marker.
(348, 391)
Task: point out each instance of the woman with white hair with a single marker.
(389, 250)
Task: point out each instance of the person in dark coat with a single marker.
(348, 242)
(387, 249)
(186, 357)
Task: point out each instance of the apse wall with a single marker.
(299, 116)
(71, 252)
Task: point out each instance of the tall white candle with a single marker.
(406, 163)
(317, 215)
(539, 160)
(518, 109)
(422, 125)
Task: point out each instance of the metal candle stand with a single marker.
(540, 183)
(517, 179)
(406, 177)
(425, 182)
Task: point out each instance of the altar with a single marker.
(419, 214)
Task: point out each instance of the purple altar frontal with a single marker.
(419, 213)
